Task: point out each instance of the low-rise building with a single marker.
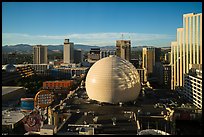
(41, 69)
(48, 130)
(58, 84)
(10, 120)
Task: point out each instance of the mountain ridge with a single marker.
(26, 48)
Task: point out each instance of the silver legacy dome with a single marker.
(112, 80)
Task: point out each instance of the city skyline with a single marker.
(92, 23)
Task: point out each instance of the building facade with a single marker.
(143, 75)
(193, 86)
(187, 49)
(105, 53)
(123, 49)
(68, 55)
(78, 57)
(57, 84)
(40, 69)
(94, 55)
(167, 57)
(166, 76)
(150, 56)
(40, 54)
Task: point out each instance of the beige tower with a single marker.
(40, 54)
(187, 49)
(148, 59)
(68, 52)
(123, 49)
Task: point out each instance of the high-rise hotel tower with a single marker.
(40, 54)
(68, 52)
(187, 49)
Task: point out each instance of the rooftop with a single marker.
(9, 89)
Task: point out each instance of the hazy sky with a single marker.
(93, 23)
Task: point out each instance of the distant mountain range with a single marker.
(26, 48)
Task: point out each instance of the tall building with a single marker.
(192, 89)
(123, 49)
(68, 52)
(40, 54)
(78, 57)
(150, 57)
(187, 49)
(165, 76)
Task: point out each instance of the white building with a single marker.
(193, 85)
(187, 49)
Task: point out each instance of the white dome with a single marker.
(113, 79)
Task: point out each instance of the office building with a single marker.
(167, 57)
(105, 53)
(40, 54)
(192, 89)
(165, 79)
(157, 54)
(40, 69)
(24, 70)
(162, 71)
(143, 75)
(68, 52)
(150, 56)
(77, 71)
(94, 55)
(187, 49)
(123, 49)
(13, 73)
(78, 57)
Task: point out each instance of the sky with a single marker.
(93, 23)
